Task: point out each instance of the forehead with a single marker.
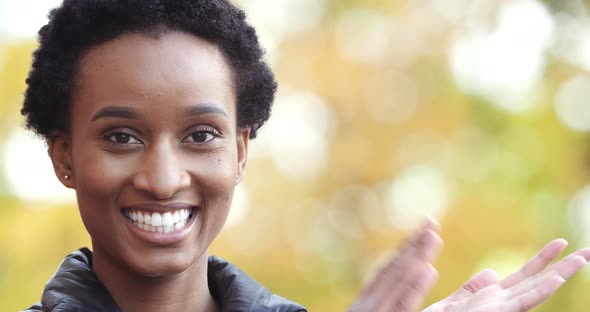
(172, 67)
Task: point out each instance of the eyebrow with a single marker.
(203, 109)
(116, 112)
(130, 113)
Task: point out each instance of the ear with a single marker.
(243, 137)
(59, 148)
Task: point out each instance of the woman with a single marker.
(147, 108)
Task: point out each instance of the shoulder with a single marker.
(34, 308)
(75, 287)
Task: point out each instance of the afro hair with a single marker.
(78, 25)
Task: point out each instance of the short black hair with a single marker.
(78, 25)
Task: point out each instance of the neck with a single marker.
(185, 291)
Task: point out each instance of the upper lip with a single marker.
(160, 207)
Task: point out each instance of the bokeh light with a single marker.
(29, 171)
(363, 35)
(417, 192)
(297, 136)
(573, 38)
(288, 17)
(571, 103)
(579, 214)
(12, 23)
(473, 112)
(505, 62)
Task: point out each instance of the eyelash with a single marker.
(207, 130)
(109, 134)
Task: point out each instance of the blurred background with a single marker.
(474, 112)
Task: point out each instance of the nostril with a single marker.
(158, 187)
(163, 178)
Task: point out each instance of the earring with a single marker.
(67, 176)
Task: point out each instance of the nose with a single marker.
(162, 173)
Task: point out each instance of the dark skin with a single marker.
(153, 128)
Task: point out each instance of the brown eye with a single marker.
(201, 136)
(204, 135)
(123, 138)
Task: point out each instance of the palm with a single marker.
(520, 291)
(403, 282)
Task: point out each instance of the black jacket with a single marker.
(75, 288)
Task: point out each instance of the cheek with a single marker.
(216, 171)
(100, 174)
(99, 180)
(218, 181)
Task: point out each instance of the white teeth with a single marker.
(156, 219)
(157, 222)
(167, 219)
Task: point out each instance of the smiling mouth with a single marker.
(157, 222)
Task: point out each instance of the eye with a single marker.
(202, 136)
(122, 138)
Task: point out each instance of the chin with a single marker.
(162, 264)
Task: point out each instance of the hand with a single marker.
(520, 291)
(403, 282)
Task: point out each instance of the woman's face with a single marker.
(153, 149)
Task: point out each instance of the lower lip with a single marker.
(164, 239)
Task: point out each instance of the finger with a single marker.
(476, 283)
(584, 253)
(429, 246)
(424, 244)
(389, 280)
(564, 269)
(408, 281)
(536, 264)
(568, 266)
(535, 296)
(418, 244)
(409, 271)
(412, 293)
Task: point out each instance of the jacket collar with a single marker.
(75, 287)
